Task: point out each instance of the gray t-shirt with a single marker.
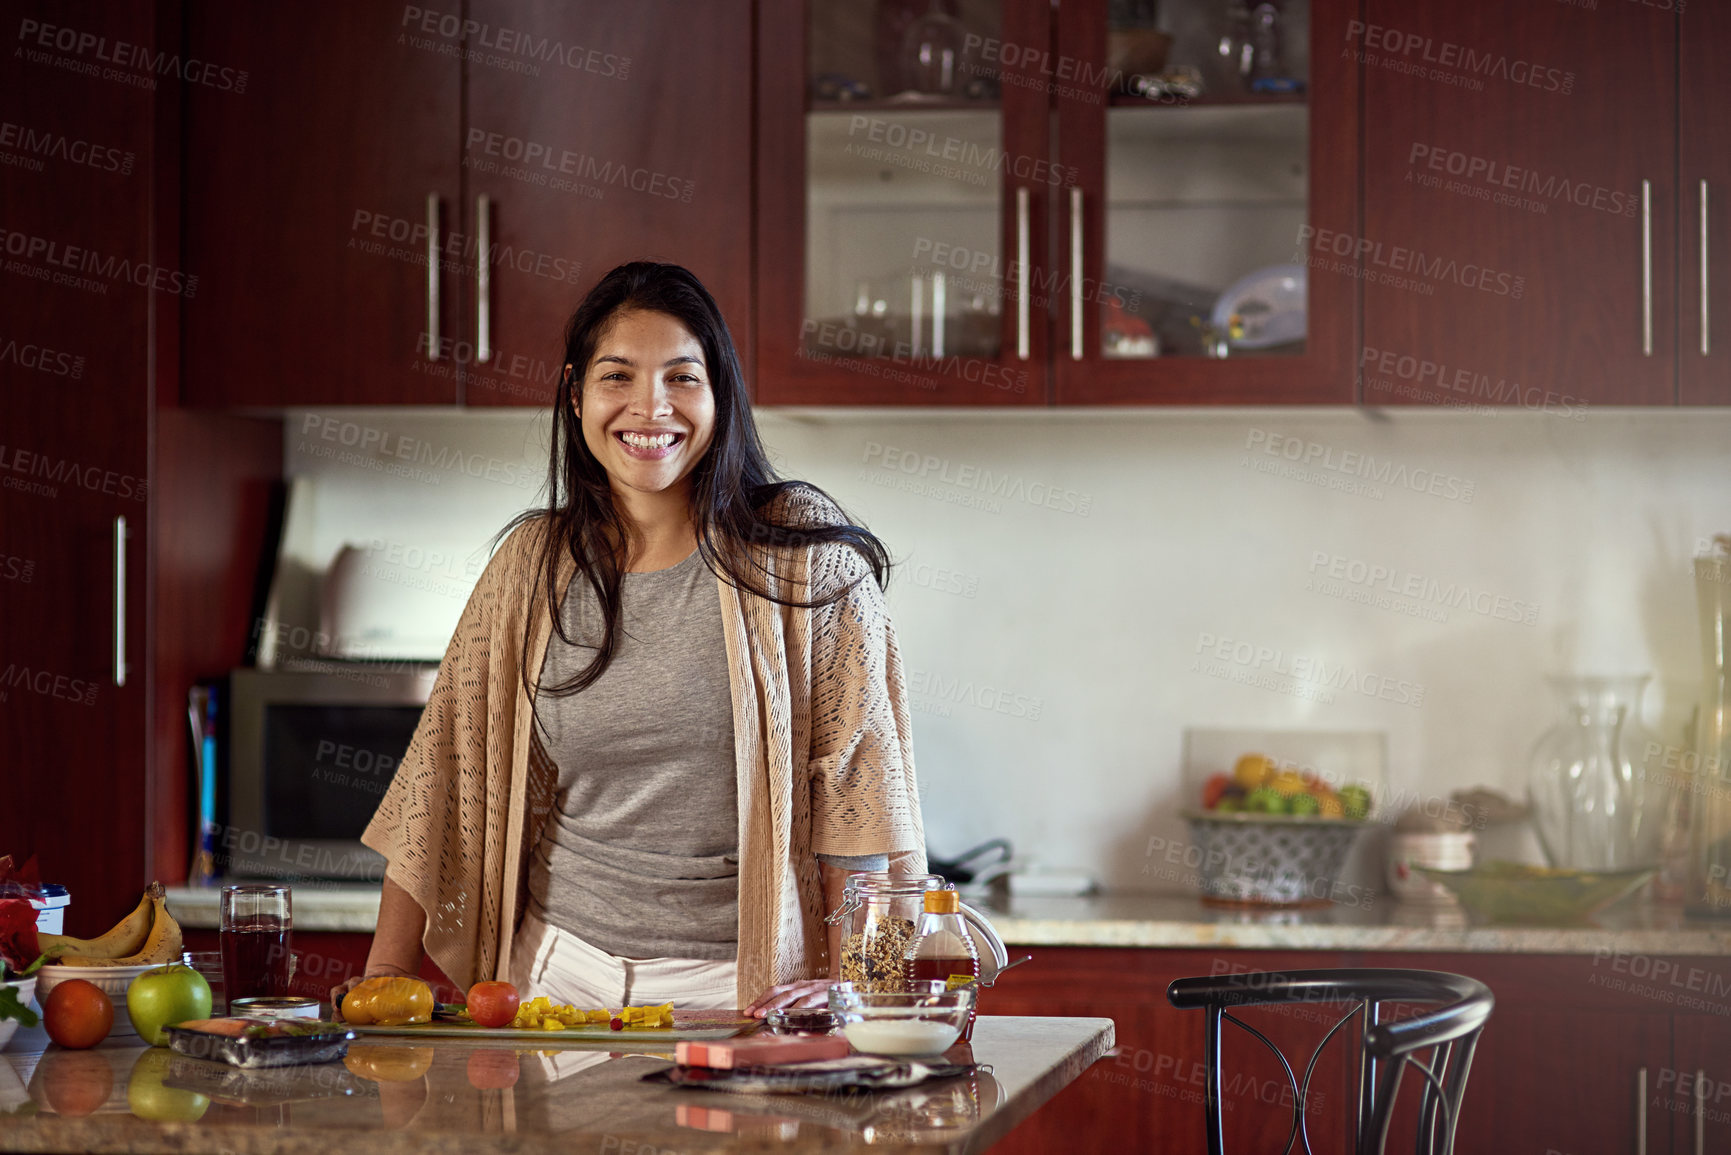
(641, 854)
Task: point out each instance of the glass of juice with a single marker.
(256, 927)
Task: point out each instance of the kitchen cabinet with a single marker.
(317, 184)
(1178, 201)
(75, 299)
(406, 204)
(1521, 198)
(1023, 228)
(1703, 196)
(899, 236)
(1584, 1054)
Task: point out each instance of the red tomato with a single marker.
(78, 1014)
(493, 1004)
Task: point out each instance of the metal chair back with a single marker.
(1438, 1045)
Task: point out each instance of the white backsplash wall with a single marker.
(1076, 588)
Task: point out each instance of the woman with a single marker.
(672, 718)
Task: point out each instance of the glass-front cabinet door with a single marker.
(1207, 249)
(905, 180)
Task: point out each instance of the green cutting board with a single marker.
(697, 1026)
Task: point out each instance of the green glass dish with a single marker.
(1512, 892)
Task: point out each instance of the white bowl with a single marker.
(112, 981)
(26, 989)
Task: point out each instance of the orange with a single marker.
(78, 1014)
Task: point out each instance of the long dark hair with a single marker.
(734, 488)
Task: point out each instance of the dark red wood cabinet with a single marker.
(1703, 206)
(1520, 241)
(76, 293)
(405, 204)
(1598, 1054)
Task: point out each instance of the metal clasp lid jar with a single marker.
(878, 914)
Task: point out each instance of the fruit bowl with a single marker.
(112, 981)
(926, 1020)
(1512, 892)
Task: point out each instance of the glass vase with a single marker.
(1593, 806)
(1707, 889)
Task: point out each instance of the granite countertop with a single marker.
(454, 1095)
(1179, 921)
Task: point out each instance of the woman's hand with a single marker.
(811, 993)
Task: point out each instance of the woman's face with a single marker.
(646, 406)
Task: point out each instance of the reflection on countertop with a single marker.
(454, 1095)
(1183, 921)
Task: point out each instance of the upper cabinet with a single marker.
(1704, 206)
(904, 183)
(321, 207)
(1521, 241)
(406, 205)
(1210, 152)
(971, 202)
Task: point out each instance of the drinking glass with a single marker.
(256, 930)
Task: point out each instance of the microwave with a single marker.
(310, 752)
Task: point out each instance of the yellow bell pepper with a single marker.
(388, 1002)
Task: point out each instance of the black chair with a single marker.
(1446, 1035)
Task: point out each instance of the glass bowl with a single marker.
(1508, 892)
(923, 1020)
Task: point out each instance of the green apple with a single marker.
(149, 1098)
(163, 997)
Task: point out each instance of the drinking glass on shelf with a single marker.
(256, 930)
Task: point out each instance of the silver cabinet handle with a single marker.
(1641, 1104)
(1705, 343)
(1075, 274)
(1023, 248)
(484, 279)
(1647, 268)
(120, 601)
(1701, 1076)
(432, 276)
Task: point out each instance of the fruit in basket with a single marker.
(78, 1014)
(122, 945)
(165, 997)
(1265, 800)
(1258, 785)
(1253, 770)
(1215, 789)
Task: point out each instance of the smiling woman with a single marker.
(673, 718)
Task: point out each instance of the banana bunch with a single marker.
(146, 937)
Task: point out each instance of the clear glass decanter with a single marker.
(1593, 806)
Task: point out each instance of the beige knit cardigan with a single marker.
(822, 750)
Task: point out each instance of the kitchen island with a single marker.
(457, 1095)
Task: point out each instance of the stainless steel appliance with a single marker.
(310, 753)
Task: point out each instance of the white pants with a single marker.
(548, 961)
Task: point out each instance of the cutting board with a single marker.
(694, 1025)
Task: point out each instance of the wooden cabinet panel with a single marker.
(1694, 1092)
(1148, 1093)
(595, 154)
(1505, 151)
(306, 205)
(75, 298)
(1704, 165)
